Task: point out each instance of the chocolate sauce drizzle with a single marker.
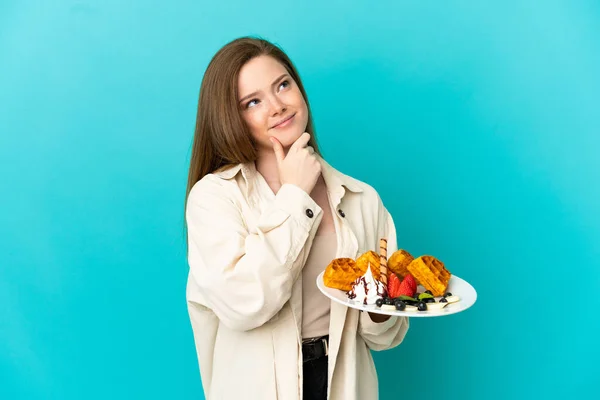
(381, 292)
(352, 292)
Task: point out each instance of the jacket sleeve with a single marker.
(388, 334)
(245, 277)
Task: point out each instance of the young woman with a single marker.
(265, 215)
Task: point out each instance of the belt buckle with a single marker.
(325, 345)
(311, 340)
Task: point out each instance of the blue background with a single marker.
(478, 123)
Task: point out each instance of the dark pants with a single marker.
(315, 379)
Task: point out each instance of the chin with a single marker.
(288, 140)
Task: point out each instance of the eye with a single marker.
(284, 84)
(251, 103)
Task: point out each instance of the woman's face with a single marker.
(271, 103)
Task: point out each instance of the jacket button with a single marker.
(341, 212)
(309, 213)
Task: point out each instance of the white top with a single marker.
(315, 305)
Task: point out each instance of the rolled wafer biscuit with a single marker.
(383, 261)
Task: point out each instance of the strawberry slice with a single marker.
(393, 285)
(406, 289)
(411, 282)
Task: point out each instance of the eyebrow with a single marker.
(255, 93)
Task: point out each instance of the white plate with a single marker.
(457, 286)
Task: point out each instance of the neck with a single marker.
(266, 165)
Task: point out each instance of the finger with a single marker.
(278, 149)
(310, 150)
(301, 142)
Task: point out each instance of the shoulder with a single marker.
(367, 204)
(221, 183)
(367, 192)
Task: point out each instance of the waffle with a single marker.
(431, 274)
(398, 263)
(370, 257)
(341, 273)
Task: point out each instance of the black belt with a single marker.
(315, 348)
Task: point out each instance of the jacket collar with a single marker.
(336, 182)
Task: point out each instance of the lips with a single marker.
(283, 121)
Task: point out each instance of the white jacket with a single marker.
(247, 247)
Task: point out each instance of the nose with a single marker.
(277, 106)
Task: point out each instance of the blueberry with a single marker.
(388, 301)
(422, 306)
(429, 300)
(443, 300)
(447, 294)
(379, 302)
(400, 305)
(429, 292)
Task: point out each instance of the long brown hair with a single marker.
(221, 136)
